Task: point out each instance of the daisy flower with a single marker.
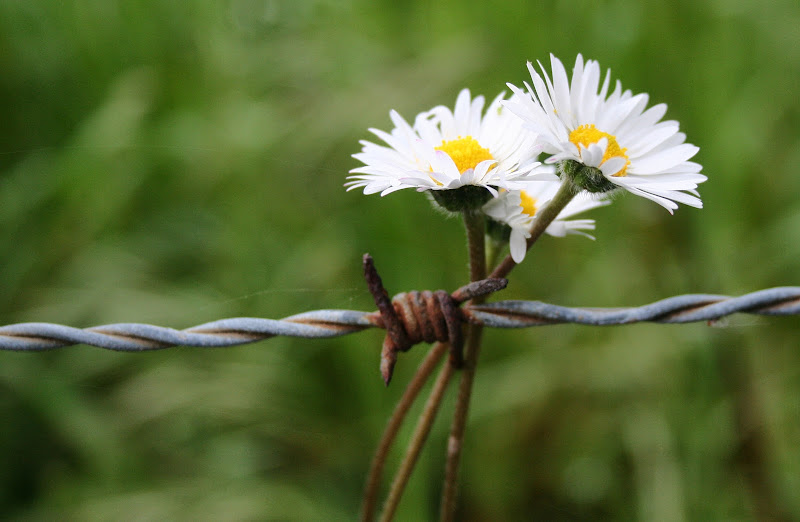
(603, 142)
(448, 150)
(518, 210)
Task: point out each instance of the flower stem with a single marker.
(417, 441)
(565, 193)
(493, 249)
(475, 225)
(393, 427)
(456, 439)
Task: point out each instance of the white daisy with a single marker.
(518, 209)
(623, 144)
(447, 150)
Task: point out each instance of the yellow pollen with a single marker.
(528, 204)
(587, 134)
(466, 152)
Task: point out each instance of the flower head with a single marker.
(604, 141)
(518, 210)
(446, 150)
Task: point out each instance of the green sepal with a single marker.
(590, 179)
(467, 197)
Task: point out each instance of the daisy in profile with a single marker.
(605, 141)
(461, 156)
(513, 213)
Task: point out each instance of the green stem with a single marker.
(417, 441)
(493, 249)
(565, 193)
(456, 440)
(393, 427)
(475, 225)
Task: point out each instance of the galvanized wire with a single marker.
(334, 323)
(136, 337)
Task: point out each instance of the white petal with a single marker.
(444, 168)
(664, 160)
(647, 141)
(541, 94)
(517, 245)
(560, 86)
(461, 113)
(613, 165)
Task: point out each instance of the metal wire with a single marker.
(135, 337)
(688, 308)
(334, 323)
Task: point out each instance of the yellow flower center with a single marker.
(528, 204)
(587, 134)
(466, 152)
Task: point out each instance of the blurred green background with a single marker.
(176, 163)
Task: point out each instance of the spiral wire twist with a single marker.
(409, 318)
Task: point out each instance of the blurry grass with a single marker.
(176, 164)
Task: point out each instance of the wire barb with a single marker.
(413, 317)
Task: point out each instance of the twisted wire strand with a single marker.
(135, 337)
(688, 308)
(333, 323)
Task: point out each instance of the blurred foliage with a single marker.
(176, 163)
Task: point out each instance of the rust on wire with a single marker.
(414, 317)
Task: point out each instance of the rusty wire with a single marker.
(413, 317)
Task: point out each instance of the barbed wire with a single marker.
(333, 323)
(135, 337)
(689, 308)
(408, 318)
